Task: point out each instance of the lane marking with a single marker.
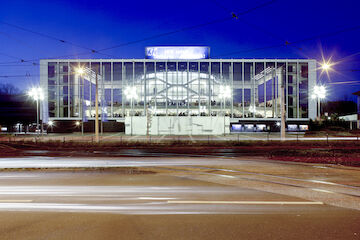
(321, 190)
(154, 198)
(248, 202)
(15, 201)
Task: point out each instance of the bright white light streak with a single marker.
(247, 202)
(155, 198)
(226, 176)
(323, 182)
(321, 190)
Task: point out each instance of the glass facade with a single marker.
(239, 88)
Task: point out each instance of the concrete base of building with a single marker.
(177, 125)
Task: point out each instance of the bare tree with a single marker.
(8, 89)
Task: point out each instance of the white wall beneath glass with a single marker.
(175, 125)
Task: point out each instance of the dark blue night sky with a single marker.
(102, 24)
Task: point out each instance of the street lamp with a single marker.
(319, 92)
(130, 93)
(326, 66)
(38, 95)
(81, 71)
(225, 92)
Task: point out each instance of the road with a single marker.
(121, 137)
(177, 198)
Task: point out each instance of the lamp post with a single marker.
(82, 71)
(283, 112)
(319, 92)
(38, 95)
(225, 92)
(130, 93)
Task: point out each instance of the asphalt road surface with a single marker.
(177, 198)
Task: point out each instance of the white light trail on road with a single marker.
(323, 182)
(226, 176)
(321, 190)
(15, 201)
(247, 202)
(62, 162)
(155, 198)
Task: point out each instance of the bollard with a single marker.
(327, 138)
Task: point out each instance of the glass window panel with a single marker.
(107, 71)
(247, 71)
(237, 72)
(193, 67)
(51, 71)
(204, 67)
(117, 96)
(117, 71)
(182, 66)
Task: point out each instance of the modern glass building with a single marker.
(247, 91)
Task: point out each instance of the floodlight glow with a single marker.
(325, 66)
(278, 124)
(130, 92)
(319, 92)
(80, 70)
(36, 94)
(50, 123)
(225, 92)
(252, 109)
(77, 123)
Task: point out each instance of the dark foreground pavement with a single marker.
(331, 224)
(130, 203)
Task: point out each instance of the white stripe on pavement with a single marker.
(247, 202)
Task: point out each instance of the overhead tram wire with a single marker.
(158, 35)
(190, 27)
(324, 35)
(52, 38)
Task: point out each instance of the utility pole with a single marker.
(96, 108)
(82, 104)
(319, 109)
(37, 116)
(283, 113)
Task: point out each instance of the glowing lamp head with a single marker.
(130, 92)
(80, 71)
(225, 92)
(77, 123)
(50, 123)
(319, 92)
(36, 94)
(325, 66)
